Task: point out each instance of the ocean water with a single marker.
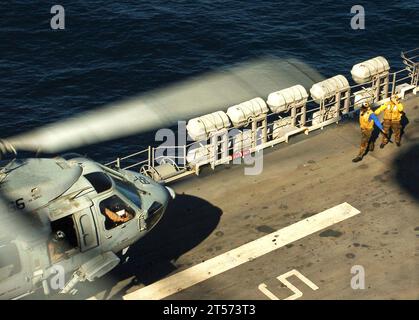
(110, 51)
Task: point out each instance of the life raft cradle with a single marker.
(305, 117)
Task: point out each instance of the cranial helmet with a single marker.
(59, 235)
(365, 104)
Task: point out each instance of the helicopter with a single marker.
(73, 214)
(69, 199)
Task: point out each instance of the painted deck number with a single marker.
(283, 278)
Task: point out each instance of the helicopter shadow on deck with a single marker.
(187, 222)
(406, 163)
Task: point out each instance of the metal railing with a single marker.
(411, 60)
(118, 161)
(265, 131)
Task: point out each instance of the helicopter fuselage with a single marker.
(67, 219)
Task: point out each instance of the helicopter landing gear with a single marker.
(69, 287)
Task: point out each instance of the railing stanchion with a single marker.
(393, 85)
(184, 156)
(149, 156)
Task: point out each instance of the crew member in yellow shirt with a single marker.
(367, 120)
(393, 111)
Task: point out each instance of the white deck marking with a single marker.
(247, 252)
(264, 289)
(297, 293)
(283, 278)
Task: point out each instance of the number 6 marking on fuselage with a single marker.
(283, 278)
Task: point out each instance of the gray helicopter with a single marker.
(73, 214)
(86, 212)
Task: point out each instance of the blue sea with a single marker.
(112, 50)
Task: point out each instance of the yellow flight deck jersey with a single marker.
(392, 111)
(365, 122)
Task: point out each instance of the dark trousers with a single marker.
(366, 142)
(395, 126)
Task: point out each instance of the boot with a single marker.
(357, 159)
(382, 145)
(398, 144)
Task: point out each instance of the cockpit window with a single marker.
(116, 212)
(99, 180)
(155, 212)
(9, 261)
(129, 191)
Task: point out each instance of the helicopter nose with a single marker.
(171, 192)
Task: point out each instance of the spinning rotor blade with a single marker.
(164, 107)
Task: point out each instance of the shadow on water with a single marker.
(187, 222)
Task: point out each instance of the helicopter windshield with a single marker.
(99, 181)
(129, 191)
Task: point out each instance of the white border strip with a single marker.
(247, 252)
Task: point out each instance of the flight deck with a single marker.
(218, 212)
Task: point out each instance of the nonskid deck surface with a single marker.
(219, 218)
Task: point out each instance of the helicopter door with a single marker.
(87, 230)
